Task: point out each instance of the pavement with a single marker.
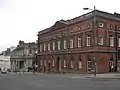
(41, 81)
(77, 76)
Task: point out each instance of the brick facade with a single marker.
(79, 59)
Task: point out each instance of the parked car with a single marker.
(3, 71)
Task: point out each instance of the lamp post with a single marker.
(94, 34)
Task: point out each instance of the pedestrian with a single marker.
(33, 68)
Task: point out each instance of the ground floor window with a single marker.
(64, 63)
(41, 62)
(72, 61)
(53, 63)
(79, 62)
(89, 62)
(44, 62)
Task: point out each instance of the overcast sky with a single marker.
(22, 19)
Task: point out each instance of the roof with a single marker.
(114, 16)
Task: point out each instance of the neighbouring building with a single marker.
(23, 56)
(77, 45)
(4, 61)
(5, 58)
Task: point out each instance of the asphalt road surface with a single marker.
(54, 82)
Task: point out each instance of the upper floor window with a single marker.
(70, 30)
(79, 41)
(53, 45)
(111, 40)
(118, 41)
(100, 40)
(71, 43)
(48, 46)
(118, 28)
(40, 47)
(79, 28)
(30, 51)
(58, 45)
(44, 47)
(101, 24)
(88, 40)
(64, 44)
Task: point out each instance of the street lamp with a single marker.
(94, 34)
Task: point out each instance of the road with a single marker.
(55, 82)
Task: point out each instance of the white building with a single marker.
(5, 62)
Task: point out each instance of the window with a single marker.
(72, 62)
(58, 45)
(118, 28)
(111, 40)
(79, 28)
(101, 24)
(53, 45)
(111, 26)
(119, 42)
(44, 47)
(64, 44)
(53, 63)
(89, 62)
(101, 40)
(44, 62)
(70, 30)
(40, 47)
(80, 62)
(79, 41)
(88, 40)
(41, 62)
(71, 43)
(48, 46)
(64, 61)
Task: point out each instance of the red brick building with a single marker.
(68, 45)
